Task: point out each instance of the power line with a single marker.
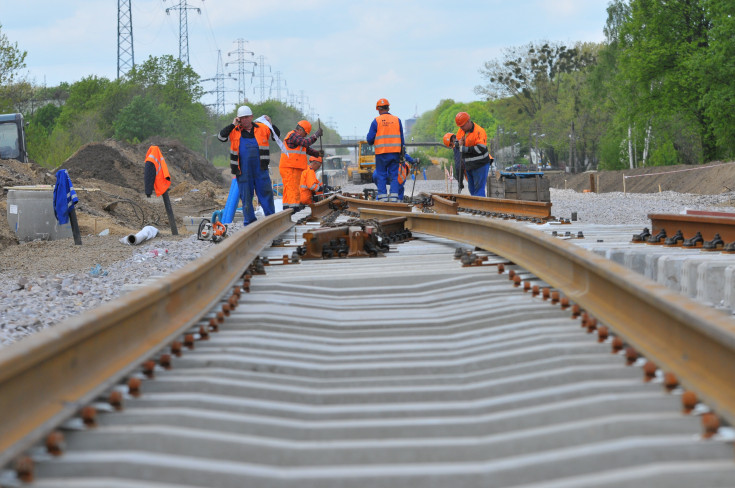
(125, 55)
(219, 91)
(183, 9)
(262, 76)
(241, 62)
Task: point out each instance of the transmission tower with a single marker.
(277, 81)
(125, 57)
(262, 76)
(219, 90)
(183, 9)
(241, 62)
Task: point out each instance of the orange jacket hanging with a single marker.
(162, 179)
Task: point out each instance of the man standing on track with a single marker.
(386, 133)
(293, 161)
(472, 144)
(249, 159)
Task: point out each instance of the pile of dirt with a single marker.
(108, 178)
(709, 179)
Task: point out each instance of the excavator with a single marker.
(13, 137)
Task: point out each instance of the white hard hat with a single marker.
(244, 111)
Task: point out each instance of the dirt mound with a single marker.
(710, 179)
(108, 178)
(123, 165)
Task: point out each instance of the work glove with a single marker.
(456, 144)
(318, 132)
(321, 153)
(234, 169)
(464, 149)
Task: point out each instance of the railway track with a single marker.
(409, 369)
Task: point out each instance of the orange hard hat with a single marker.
(383, 102)
(315, 158)
(306, 125)
(462, 118)
(448, 139)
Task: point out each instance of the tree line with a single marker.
(659, 90)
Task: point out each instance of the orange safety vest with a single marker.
(476, 137)
(309, 184)
(296, 158)
(388, 135)
(262, 133)
(163, 178)
(403, 169)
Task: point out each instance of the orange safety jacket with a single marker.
(403, 170)
(309, 186)
(262, 133)
(475, 141)
(296, 157)
(388, 135)
(163, 178)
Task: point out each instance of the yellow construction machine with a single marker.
(363, 172)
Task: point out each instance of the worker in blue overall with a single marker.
(249, 160)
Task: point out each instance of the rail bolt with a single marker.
(189, 341)
(689, 400)
(89, 416)
(564, 303)
(55, 443)
(517, 280)
(213, 325)
(602, 334)
(617, 345)
(631, 356)
(226, 309)
(501, 268)
(149, 368)
(545, 292)
(165, 361)
(711, 425)
(576, 311)
(204, 333)
(649, 371)
(134, 386)
(591, 325)
(535, 290)
(670, 381)
(24, 469)
(554, 297)
(115, 400)
(526, 286)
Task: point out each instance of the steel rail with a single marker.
(694, 342)
(689, 225)
(524, 208)
(357, 203)
(49, 376)
(321, 209)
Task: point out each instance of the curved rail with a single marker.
(541, 210)
(695, 342)
(47, 377)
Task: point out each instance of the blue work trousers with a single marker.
(253, 178)
(477, 180)
(386, 168)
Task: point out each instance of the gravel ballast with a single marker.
(43, 283)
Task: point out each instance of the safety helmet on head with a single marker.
(306, 125)
(462, 118)
(317, 159)
(448, 139)
(244, 111)
(383, 102)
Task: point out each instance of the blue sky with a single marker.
(338, 57)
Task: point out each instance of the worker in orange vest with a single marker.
(310, 184)
(155, 173)
(386, 133)
(472, 144)
(249, 160)
(293, 160)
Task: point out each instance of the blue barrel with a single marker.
(231, 205)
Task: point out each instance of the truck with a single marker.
(333, 172)
(13, 137)
(363, 172)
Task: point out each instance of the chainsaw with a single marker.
(212, 228)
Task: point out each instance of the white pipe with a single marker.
(148, 232)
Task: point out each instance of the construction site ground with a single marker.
(108, 178)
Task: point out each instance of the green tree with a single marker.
(138, 121)
(12, 59)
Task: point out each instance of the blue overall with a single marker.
(253, 178)
(477, 180)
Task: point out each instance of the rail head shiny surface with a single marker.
(693, 341)
(47, 377)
